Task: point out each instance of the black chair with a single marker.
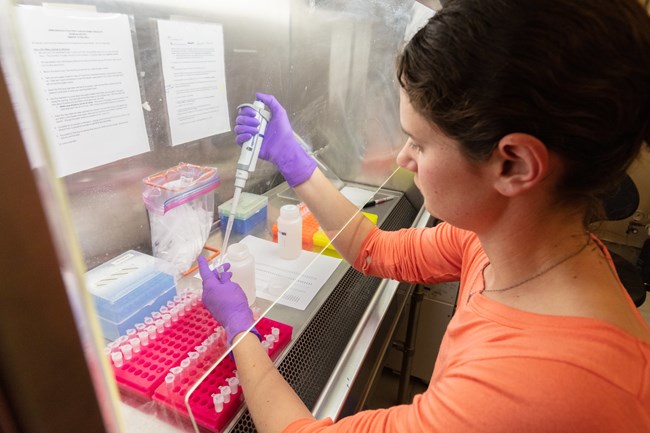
(618, 205)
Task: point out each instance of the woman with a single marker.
(519, 115)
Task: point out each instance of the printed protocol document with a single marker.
(83, 76)
(192, 56)
(273, 275)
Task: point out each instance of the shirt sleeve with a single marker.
(425, 255)
(501, 396)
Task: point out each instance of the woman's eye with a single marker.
(415, 146)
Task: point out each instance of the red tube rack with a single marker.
(143, 375)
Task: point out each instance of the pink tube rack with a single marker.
(144, 374)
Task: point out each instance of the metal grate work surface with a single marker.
(311, 360)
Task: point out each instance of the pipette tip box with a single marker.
(251, 210)
(127, 288)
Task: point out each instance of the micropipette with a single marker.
(250, 151)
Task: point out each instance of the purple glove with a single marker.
(279, 145)
(225, 300)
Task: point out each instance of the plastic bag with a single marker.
(180, 203)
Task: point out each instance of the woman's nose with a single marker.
(404, 158)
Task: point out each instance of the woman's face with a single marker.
(455, 189)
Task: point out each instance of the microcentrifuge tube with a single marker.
(221, 335)
(177, 371)
(117, 358)
(217, 399)
(174, 313)
(271, 339)
(113, 344)
(187, 304)
(265, 346)
(164, 310)
(130, 333)
(233, 383)
(194, 357)
(185, 363)
(177, 299)
(194, 298)
(276, 333)
(140, 327)
(169, 380)
(122, 339)
(225, 391)
(144, 338)
(170, 304)
(127, 351)
(156, 316)
(135, 343)
(160, 325)
(148, 321)
(207, 342)
(152, 332)
(167, 320)
(201, 349)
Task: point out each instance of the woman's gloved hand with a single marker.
(279, 145)
(225, 300)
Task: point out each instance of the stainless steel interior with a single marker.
(330, 63)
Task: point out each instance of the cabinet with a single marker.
(437, 305)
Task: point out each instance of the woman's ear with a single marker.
(522, 161)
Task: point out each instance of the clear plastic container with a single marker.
(290, 232)
(128, 287)
(113, 329)
(242, 266)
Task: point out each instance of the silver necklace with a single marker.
(536, 275)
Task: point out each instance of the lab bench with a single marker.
(339, 340)
(336, 335)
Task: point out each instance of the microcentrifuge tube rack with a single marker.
(144, 374)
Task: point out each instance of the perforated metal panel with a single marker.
(311, 360)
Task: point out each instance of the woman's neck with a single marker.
(521, 248)
(584, 285)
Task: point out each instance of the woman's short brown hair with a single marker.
(573, 73)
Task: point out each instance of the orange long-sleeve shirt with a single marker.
(500, 369)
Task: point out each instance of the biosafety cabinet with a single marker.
(118, 164)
